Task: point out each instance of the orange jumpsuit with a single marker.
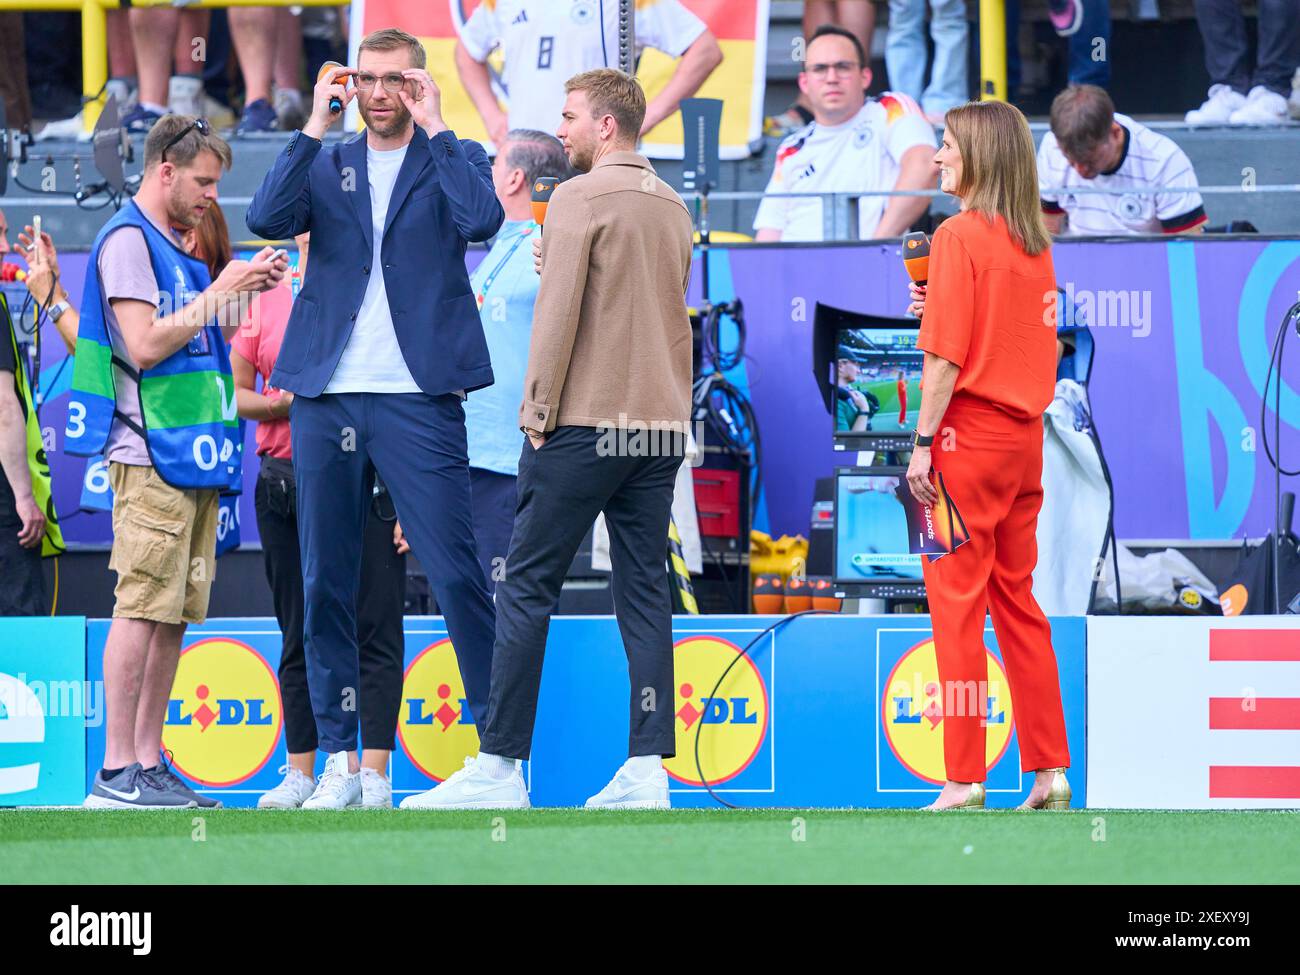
(990, 310)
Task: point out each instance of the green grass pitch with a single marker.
(679, 847)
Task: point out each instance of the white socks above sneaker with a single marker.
(643, 766)
(496, 766)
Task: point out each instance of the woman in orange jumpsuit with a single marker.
(988, 316)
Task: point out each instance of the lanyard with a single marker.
(492, 275)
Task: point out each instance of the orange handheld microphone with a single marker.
(543, 187)
(331, 68)
(916, 257)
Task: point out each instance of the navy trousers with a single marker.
(417, 444)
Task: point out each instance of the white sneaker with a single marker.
(626, 792)
(473, 788)
(338, 788)
(296, 789)
(1218, 108)
(376, 790)
(1263, 107)
(185, 94)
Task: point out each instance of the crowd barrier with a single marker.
(823, 712)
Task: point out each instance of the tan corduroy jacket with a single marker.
(611, 341)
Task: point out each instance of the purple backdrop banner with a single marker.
(1183, 331)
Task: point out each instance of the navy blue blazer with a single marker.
(443, 198)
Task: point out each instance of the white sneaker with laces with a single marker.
(1218, 108)
(296, 789)
(376, 790)
(338, 788)
(1263, 107)
(472, 787)
(627, 792)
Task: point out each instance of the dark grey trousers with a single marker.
(562, 487)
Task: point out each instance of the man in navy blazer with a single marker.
(382, 345)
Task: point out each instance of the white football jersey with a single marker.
(547, 42)
(863, 153)
(1150, 159)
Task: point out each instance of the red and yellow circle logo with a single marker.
(731, 722)
(913, 707)
(224, 716)
(435, 726)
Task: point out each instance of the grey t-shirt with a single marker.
(126, 271)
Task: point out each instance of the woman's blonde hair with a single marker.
(999, 175)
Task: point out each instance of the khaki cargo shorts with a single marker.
(164, 547)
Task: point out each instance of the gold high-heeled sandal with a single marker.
(974, 800)
(1058, 793)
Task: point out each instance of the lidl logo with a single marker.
(914, 706)
(731, 721)
(224, 716)
(435, 725)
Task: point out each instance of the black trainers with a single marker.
(162, 774)
(134, 788)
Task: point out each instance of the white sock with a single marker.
(154, 107)
(496, 766)
(643, 766)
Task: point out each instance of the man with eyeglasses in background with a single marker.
(152, 390)
(854, 144)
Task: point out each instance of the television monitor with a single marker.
(876, 384)
(872, 557)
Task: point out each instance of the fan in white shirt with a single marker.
(853, 144)
(1093, 146)
(546, 42)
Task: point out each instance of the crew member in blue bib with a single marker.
(152, 390)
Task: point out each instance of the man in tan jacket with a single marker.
(607, 401)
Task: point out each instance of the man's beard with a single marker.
(580, 158)
(396, 124)
(179, 214)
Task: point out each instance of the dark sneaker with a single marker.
(258, 116)
(133, 788)
(1066, 16)
(162, 774)
(139, 120)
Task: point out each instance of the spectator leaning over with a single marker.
(905, 54)
(545, 43)
(1091, 145)
(853, 144)
(381, 596)
(165, 36)
(152, 388)
(1240, 95)
(268, 42)
(505, 285)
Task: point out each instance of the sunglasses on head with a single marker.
(204, 129)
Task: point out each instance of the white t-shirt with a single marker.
(372, 360)
(546, 42)
(1150, 159)
(864, 153)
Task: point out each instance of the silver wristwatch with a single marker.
(57, 310)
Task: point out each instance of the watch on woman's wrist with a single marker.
(921, 441)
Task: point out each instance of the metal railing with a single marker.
(839, 210)
(94, 34)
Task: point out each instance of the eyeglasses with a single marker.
(392, 82)
(201, 124)
(840, 67)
